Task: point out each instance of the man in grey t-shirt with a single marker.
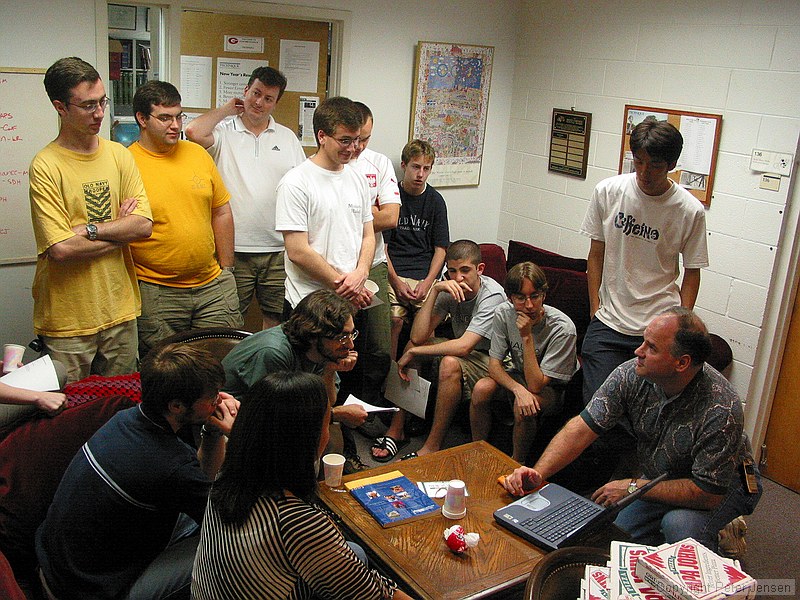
(541, 342)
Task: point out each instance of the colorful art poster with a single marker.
(451, 99)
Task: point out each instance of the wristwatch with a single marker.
(91, 231)
(632, 486)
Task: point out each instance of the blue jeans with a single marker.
(603, 351)
(653, 523)
(169, 576)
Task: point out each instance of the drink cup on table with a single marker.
(333, 466)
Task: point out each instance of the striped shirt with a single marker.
(286, 549)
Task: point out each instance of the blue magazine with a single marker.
(392, 499)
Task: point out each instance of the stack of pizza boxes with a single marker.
(686, 570)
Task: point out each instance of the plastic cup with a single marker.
(12, 356)
(333, 465)
(455, 505)
(371, 286)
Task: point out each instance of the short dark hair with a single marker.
(154, 93)
(269, 77)
(336, 111)
(322, 313)
(65, 74)
(181, 372)
(273, 443)
(522, 271)
(660, 139)
(418, 148)
(464, 250)
(366, 113)
(691, 336)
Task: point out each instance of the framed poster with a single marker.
(451, 98)
(122, 16)
(569, 142)
(697, 163)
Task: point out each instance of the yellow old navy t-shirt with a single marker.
(68, 189)
(183, 186)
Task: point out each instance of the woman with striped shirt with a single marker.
(260, 537)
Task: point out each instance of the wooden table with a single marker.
(415, 552)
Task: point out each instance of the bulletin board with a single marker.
(203, 34)
(698, 160)
(28, 123)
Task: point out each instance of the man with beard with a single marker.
(316, 338)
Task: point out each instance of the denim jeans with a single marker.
(653, 523)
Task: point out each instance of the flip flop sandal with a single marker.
(409, 456)
(387, 442)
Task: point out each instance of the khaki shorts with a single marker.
(402, 309)
(263, 275)
(474, 366)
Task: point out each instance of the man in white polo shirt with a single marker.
(253, 153)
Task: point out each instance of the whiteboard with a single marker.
(28, 122)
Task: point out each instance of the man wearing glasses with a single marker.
(324, 212)
(87, 204)
(317, 338)
(325, 215)
(541, 342)
(185, 269)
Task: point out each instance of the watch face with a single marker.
(91, 230)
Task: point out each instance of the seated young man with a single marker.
(118, 526)
(541, 342)
(469, 298)
(415, 248)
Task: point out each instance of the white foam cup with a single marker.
(333, 465)
(455, 505)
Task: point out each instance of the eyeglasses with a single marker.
(346, 142)
(92, 105)
(343, 338)
(168, 119)
(522, 298)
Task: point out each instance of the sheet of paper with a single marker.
(38, 375)
(409, 395)
(370, 408)
(299, 62)
(305, 120)
(196, 81)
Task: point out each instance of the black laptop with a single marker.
(553, 517)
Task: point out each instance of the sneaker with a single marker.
(731, 539)
(353, 464)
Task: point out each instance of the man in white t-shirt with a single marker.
(325, 216)
(253, 153)
(374, 343)
(639, 224)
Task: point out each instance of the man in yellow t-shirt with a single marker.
(87, 204)
(185, 269)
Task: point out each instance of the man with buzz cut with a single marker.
(87, 204)
(469, 298)
(185, 268)
(253, 152)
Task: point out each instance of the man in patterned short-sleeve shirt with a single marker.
(687, 420)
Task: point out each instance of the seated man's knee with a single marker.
(449, 368)
(483, 390)
(681, 523)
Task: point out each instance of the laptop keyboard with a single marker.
(561, 521)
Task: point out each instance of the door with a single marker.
(782, 447)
